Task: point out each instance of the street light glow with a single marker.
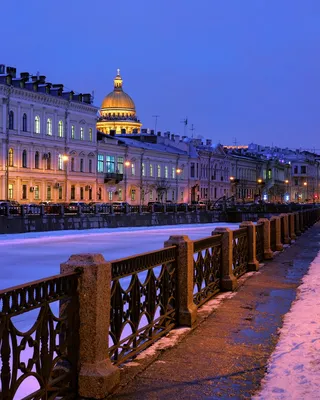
(231, 178)
(259, 180)
(178, 171)
(286, 181)
(305, 183)
(127, 163)
(65, 157)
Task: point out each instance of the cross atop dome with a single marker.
(118, 81)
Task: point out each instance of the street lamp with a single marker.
(305, 184)
(288, 195)
(178, 172)
(126, 165)
(65, 159)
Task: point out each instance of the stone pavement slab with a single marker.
(226, 356)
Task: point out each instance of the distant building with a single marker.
(118, 112)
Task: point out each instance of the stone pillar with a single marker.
(267, 252)
(186, 309)
(253, 263)
(292, 225)
(286, 233)
(279, 245)
(228, 280)
(297, 223)
(97, 376)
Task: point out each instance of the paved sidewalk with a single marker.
(226, 356)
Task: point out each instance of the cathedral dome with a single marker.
(118, 99)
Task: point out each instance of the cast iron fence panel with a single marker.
(134, 209)
(52, 340)
(240, 252)
(207, 268)
(273, 238)
(282, 229)
(143, 302)
(259, 242)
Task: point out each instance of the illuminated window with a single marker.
(120, 165)
(133, 194)
(90, 134)
(10, 191)
(100, 163)
(110, 196)
(81, 133)
(49, 126)
(36, 192)
(60, 162)
(133, 169)
(37, 124)
(48, 192)
(151, 170)
(60, 129)
(166, 174)
(10, 160)
(73, 130)
(143, 169)
(159, 171)
(110, 164)
(173, 173)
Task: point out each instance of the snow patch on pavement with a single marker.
(294, 367)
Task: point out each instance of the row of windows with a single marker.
(109, 164)
(48, 195)
(49, 129)
(48, 160)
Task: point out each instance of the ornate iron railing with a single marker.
(240, 252)
(259, 242)
(143, 302)
(39, 358)
(273, 238)
(207, 268)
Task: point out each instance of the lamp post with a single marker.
(65, 159)
(287, 189)
(126, 165)
(305, 184)
(178, 172)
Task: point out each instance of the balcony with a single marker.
(113, 177)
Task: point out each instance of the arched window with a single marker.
(24, 159)
(11, 120)
(37, 124)
(36, 160)
(60, 129)
(49, 126)
(90, 166)
(81, 164)
(81, 133)
(10, 158)
(24, 123)
(72, 164)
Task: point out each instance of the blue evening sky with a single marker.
(244, 69)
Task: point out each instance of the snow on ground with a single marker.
(294, 367)
(29, 256)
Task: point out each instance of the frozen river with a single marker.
(30, 256)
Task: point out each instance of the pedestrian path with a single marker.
(226, 356)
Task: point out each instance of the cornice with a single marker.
(45, 99)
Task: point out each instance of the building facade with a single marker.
(48, 139)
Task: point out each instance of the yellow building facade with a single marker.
(118, 111)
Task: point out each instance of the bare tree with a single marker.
(162, 186)
(145, 188)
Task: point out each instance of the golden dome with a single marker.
(118, 99)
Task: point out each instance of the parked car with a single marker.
(120, 206)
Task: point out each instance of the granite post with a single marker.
(279, 245)
(228, 280)
(292, 228)
(97, 376)
(186, 309)
(286, 236)
(267, 253)
(253, 263)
